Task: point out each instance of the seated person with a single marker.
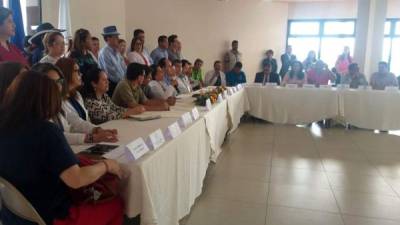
(169, 74)
(129, 94)
(383, 78)
(271, 60)
(54, 47)
(43, 166)
(295, 75)
(215, 77)
(9, 71)
(183, 81)
(354, 78)
(147, 78)
(76, 130)
(159, 89)
(236, 75)
(99, 105)
(187, 70)
(320, 74)
(197, 73)
(267, 76)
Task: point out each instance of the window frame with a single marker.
(3, 3)
(392, 35)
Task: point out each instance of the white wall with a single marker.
(393, 10)
(323, 10)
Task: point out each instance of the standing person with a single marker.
(354, 78)
(110, 60)
(215, 77)
(320, 74)
(95, 49)
(295, 75)
(236, 75)
(122, 50)
(54, 47)
(43, 166)
(197, 73)
(8, 51)
(310, 60)
(232, 56)
(137, 55)
(173, 48)
(343, 62)
(82, 44)
(161, 51)
(270, 60)
(383, 78)
(267, 76)
(139, 34)
(287, 59)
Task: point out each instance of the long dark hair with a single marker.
(45, 68)
(300, 74)
(8, 71)
(80, 37)
(134, 40)
(32, 97)
(66, 65)
(93, 75)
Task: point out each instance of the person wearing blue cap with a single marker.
(110, 59)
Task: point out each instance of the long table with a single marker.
(164, 183)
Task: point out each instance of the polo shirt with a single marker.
(125, 94)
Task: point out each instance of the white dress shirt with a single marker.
(160, 90)
(184, 86)
(211, 78)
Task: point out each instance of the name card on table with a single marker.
(208, 105)
(226, 94)
(240, 86)
(157, 139)
(220, 99)
(195, 113)
(291, 85)
(174, 130)
(364, 88)
(308, 86)
(271, 84)
(391, 89)
(344, 86)
(324, 86)
(187, 119)
(137, 148)
(230, 91)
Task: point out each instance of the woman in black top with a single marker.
(35, 156)
(81, 50)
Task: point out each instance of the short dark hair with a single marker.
(353, 66)
(134, 70)
(217, 61)
(235, 42)
(162, 63)
(177, 61)
(270, 51)
(172, 38)
(31, 98)
(238, 65)
(383, 63)
(198, 61)
(9, 71)
(162, 38)
(4, 14)
(95, 39)
(185, 62)
(137, 32)
(154, 71)
(92, 75)
(147, 70)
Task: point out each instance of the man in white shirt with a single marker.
(182, 79)
(215, 77)
(232, 56)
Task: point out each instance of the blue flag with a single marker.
(18, 38)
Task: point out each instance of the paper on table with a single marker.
(157, 138)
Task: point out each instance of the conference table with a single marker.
(164, 183)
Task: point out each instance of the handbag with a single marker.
(104, 189)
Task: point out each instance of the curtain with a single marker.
(64, 18)
(18, 38)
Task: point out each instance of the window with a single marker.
(31, 14)
(391, 45)
(326, 37)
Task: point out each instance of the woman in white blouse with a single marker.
(136, 55)
(54, 46)
(159, 89)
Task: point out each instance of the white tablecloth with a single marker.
(238, 105)
(369, 109)
(292, 105)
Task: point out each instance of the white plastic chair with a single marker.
(14, 201)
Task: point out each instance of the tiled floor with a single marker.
(287, 175)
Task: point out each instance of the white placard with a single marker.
(239, 86)
(291, 85)
(174, 130)
(195, 113)
(226, 94)
(137, 148)
(308, 86)
(271, 84)
(230, 91)
(220, 99)
(157, 138)
(187, 119)
(208, 104)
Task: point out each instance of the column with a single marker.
(371, 17)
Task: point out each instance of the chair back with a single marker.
(14, 201)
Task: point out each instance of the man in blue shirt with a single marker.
(110, 60)
(236, 75)
(161, 51)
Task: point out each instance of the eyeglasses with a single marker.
(60, 81)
